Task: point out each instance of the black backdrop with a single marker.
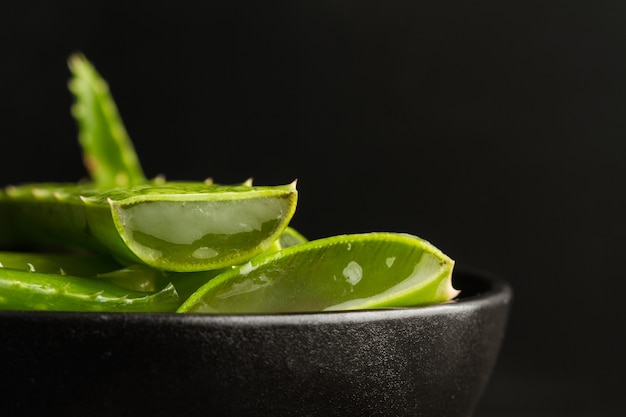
(494, 129)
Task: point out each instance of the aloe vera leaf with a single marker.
(346, 272)
(291, 237)
(144, 278)
(108, 152)
(133, 277)
(83, 265)
(104, 268)
(136, 277)
(173, 226)
(187, 283)
(22, 290)
(147, 279)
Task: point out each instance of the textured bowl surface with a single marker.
(428, 361)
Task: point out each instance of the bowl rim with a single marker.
(486, 289)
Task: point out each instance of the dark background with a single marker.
(494, 129)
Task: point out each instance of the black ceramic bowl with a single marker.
(429, 361)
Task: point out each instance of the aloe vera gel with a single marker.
(191, 247)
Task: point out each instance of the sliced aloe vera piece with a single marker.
(21, 290)
(108, 151)
(171, 226)
(348, 272)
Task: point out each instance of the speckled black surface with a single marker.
(432, 361)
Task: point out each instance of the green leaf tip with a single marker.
(108, 152)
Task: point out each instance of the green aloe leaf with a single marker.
(137, 277)
(171, 226)
(108, 152)
(22, 290)
(348, 272)
(82, 265)
(291, 237)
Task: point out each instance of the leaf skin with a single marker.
(173, 226)
(21, 290)
(82, 265)
(291, 237)
(347, 272)
(108, 152)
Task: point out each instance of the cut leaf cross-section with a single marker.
(347, 272)
(171, 226)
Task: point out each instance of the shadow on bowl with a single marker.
(427, 361)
